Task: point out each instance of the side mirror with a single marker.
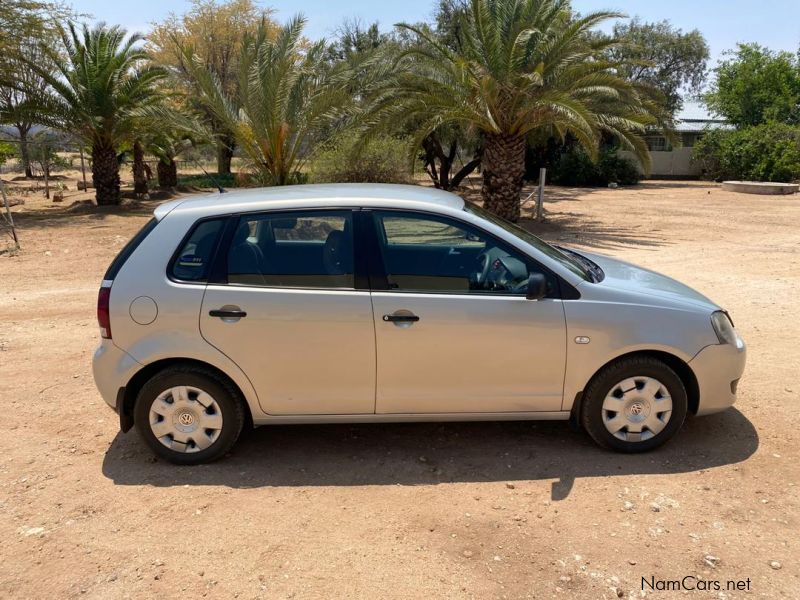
(537, 286)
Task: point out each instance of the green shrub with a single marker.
(769, 152)
(617, 169)
(383, 159)
(575, 167)
(201, 180)
(6, 152)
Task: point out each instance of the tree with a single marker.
(140, 170)
(25, 24)
(213, 33)
(103, 80)
(166, 147)
(28, 85)
(442, 146)
(287, 98)
(662, 56)
(523, 66)
(354, 41)
(22, 20)
(767, 152)
(755, 85)
(371, 55)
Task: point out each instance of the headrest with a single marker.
(242, 233)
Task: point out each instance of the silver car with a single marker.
(382, 303)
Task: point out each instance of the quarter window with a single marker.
(194, 258)
(298, 249)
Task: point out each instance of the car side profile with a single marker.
(386, 303)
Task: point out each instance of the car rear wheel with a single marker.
(188, 415)
(634, 405)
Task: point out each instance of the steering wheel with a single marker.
(484, 266)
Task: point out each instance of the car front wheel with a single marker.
(188, 415)
(634, 405)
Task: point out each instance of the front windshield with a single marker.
(526, 236)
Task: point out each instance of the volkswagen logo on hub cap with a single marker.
(186, 418)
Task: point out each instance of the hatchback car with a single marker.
(382, 303)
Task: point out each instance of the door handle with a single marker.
(400, 318)
(227, 313)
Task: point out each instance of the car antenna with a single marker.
(221, 189)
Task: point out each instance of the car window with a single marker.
(562, 257)
(413, 230)
(194, 258)
(428, 253)
(305, 249)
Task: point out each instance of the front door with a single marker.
(454, 330)
(307, 342)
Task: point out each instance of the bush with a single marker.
(384, 159)
(617, 169)
(769, 152)
(201, 180)
(575, 167)
(6, 152)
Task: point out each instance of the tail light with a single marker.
(103, 313)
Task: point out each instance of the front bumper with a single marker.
(718, 369)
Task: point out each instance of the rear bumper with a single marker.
(112, 369)
(718, 369)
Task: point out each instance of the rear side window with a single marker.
(308, 249)
(194, 258)
(128, 249)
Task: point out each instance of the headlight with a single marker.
(724, 328)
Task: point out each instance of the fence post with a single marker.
(83, 171)
(46, 168)
(540, 199)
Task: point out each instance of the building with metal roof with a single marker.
(691, 122)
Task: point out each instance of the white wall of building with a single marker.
(675, 163)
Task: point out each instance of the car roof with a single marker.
(312, 196)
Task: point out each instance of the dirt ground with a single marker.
(493, 510)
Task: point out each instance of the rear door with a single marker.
(454, 330)
(291, 316)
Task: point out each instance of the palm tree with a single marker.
(166, 146)
(519, 68)
(287, 102)
(100, 82)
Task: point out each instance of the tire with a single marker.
(640, 389)
(189, 415)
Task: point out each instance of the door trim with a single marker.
(553, 415)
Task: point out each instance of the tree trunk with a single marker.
(24, 152)
(139, 171)
(503, 165)
(462, 174)
(167, 173)
(105, 174)
(225, 147)
(433, 152)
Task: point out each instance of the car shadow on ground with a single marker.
(433, 453)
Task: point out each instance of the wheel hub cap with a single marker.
(185, 419)
(637, 409)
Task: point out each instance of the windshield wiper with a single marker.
(592, 268)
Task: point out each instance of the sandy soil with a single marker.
(508, 510)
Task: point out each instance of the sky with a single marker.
(772, 23)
